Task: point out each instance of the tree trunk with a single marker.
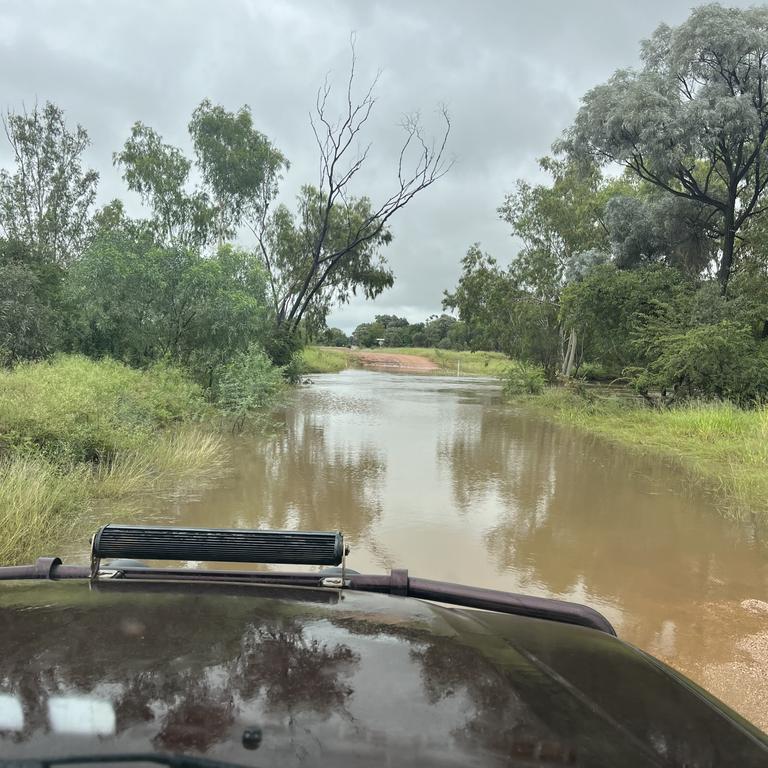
(570, 355)
(729, 242)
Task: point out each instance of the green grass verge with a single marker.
(325, 359)
(75, 432)
(723, 445)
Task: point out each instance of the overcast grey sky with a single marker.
(510, 72)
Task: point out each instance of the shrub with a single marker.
(720, 360)
(523, 379)
(593, 372)
(249, 383)
(75, 409)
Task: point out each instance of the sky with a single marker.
(511, 74)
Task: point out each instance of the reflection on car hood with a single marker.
(362, 679)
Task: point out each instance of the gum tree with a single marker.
(46, 202)
(693, 120)
(329, 247)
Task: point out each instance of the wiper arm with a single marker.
(160, 758)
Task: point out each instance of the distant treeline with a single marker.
(438, 331)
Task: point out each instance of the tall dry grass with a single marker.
(75, 432)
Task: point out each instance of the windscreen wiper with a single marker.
(159, 758)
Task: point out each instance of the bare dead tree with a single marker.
(335, 227)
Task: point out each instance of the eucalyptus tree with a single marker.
(46, 201)
(329, 247)
(693, 120)
(240, 166)
(159, 173)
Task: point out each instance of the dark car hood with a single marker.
(329, 677)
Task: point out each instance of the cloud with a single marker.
(511, 74)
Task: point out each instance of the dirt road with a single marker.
(373, 359)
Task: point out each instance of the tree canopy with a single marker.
(693, 121)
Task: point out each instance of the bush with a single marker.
(75, 409)
(593, 372)
(722, 360)
(249, 383)
(523, 379)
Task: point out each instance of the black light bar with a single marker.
(250, 545)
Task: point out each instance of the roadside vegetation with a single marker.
(325, 360)
(76, 432)
(127, 345)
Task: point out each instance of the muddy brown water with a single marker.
(438, 475)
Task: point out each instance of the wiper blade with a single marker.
(159, 758)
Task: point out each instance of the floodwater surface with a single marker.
(436, 474)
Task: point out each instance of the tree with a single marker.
(29, 304)
(330, 247)
(693, 121)
(159, 173)
(45, 204)
(304, 285)
(240, 166)
(138, 302)
(654, 227)
(483, 299)
(333, 337)
(607, 305)
(366, 334)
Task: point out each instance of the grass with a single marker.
(325, 359)
(723, 445)
(75, 432)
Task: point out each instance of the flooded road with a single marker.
(436, 474)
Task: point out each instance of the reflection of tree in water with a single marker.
(297, 479)
(504, 454)
(187, 679)
(577, 514)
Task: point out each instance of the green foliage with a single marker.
(240, 166)
(523, 379)
(136, 302)
(248, 384)
(722, 360)
(607, 305)
(321, 256)
(75, 409)
(654, 227)
(693, 121)
(29, 304)
(45, 204)
(500, 315)
(441, 331)
(333, 337)
(159, 173)
(593, 372)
